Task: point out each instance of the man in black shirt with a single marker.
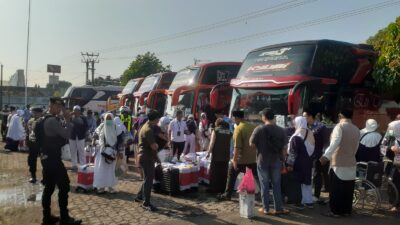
(51, 139)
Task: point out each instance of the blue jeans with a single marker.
(270, 172)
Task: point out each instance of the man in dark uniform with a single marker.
(54, 136)
(32, 142)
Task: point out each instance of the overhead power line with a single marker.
(233, 20)
(306, 24)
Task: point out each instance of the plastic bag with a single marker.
(65, 153)
(247, 185)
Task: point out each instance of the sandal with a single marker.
(282, 212)
(263, 211)
(330, 214)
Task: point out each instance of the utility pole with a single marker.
(90, 59)
(1, 87)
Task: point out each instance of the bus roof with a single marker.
(214, 64)
(362, 46)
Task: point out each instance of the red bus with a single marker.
(192, 86)
(126, 96)
(153, 82)
(326, 74)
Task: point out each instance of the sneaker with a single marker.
(149, 207)
(32, 180)
(299, 206)
(51, 220)
(70, 221)
(309, 205)
(223, 197)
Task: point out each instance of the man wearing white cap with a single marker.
(370, 140)
(77, 139)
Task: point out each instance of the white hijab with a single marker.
(395, 127)
(16, 129)
(108, 134)
(300, 123)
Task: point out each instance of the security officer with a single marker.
(33, 144)
(126, 118)
(54, 136)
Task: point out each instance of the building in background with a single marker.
(17, 79)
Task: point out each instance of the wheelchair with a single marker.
(374, 188)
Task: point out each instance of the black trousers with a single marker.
(32, 158)
(232, 176)
(341, 194)
(291, 188)
(147, 166)
(3, 132)
(54, 173)
(177, 147)
(321, 176)
(218, 176)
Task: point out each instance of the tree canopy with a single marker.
(142, 66)
(108, 80)
(387, 68)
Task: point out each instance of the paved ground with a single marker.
(20, 204)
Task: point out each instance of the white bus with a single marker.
(90, 97)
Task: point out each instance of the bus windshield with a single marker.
(187, 76)
(252, 101)
(149, 83)
(129, 87)
(280, 61)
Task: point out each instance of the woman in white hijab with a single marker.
(111, 146)
(16, 131)
(300, 160)
(370, 141)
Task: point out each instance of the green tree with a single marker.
(387, 68)
(101, 81)
(142, 66)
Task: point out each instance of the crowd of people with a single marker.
(298, 162)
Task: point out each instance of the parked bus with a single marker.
(324, 74)
(90, 97)
(126, 96)
(191, 89)
(153, 82)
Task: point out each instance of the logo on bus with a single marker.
(268, 67)
(276, 52)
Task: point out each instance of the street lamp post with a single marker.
(1, 86)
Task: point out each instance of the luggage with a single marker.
(170, 181)
(90, 154)
(85, 178)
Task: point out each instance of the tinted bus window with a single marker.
(166, 81)
(184, 77)
(129, 87)
(335, 61)
(85, 93)
(220, 74)
(281, 61)
(148, 83)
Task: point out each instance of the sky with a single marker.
(178, 31)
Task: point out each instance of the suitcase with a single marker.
(170, 181)
(85, 178)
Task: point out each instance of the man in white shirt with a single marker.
(176, 130)
(341, 152)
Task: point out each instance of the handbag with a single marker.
(108, 153)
